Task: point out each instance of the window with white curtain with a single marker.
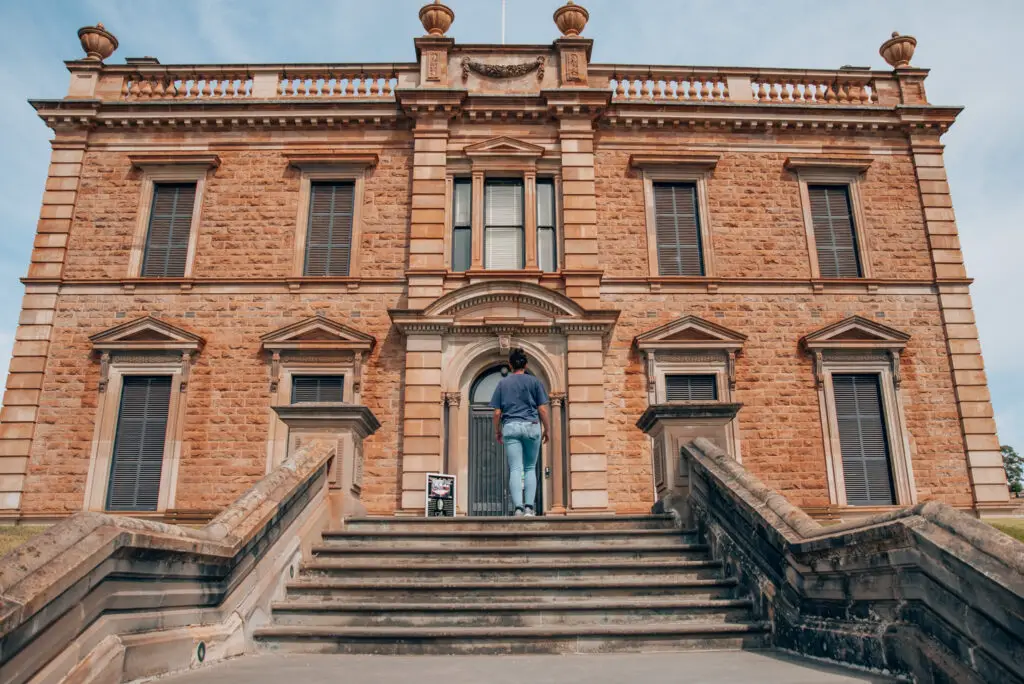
(462, 230)
(503, 225)
(547, 245)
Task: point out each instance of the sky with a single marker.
(973, 49)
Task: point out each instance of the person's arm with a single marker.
(497, 425)
(545, 423)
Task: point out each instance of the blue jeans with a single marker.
(522, 447)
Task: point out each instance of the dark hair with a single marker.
(517, 359)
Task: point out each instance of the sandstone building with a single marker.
(768, 255)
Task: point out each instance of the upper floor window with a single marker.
(835, 238)
(677, 226)
(329, 233)
(504, 240)
(691, 387)
(462, 224)
(169, 233)
(547, 243)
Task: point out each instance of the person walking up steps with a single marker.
(521, 423)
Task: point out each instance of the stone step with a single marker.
(486, 592)
(505, 538)
(495, 524)
(517, 614)
(508, 555)
(667, 636)
(524, 572)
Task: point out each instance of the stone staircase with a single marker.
(502, 585)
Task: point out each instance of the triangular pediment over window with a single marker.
(146, 334)
(690, 332)
(503, 146)
(317, 333)
(856, 332)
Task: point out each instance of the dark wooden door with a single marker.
(488, 471)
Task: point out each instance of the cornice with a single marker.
(142, 161)
(704, 160)
(828, 161)
(313, 159)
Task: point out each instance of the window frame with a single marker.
(900, 462)
(309, 218)
(277, 437)
(556, 232)
(153, 175)
(678, 168)
(840, 171)
(102, 458)
(339, 168)
(450, 226)
(495, 180)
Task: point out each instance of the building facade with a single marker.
(771, 253)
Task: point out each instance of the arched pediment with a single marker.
(504, 304)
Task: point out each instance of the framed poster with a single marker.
(440, 495)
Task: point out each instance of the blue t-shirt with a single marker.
(518, 395)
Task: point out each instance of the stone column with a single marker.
(421, 428)
(347, 425)
(981, 444)
(588, 460)
(557, 457)
(35, 324)
(451, 402)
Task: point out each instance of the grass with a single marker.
(15, 535)
(1011, 526)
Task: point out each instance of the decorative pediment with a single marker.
(504, 306)
(317, 334)
(856, 332)
(146, 334)
(690, 332)
(503, 146)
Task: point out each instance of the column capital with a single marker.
(452, 398)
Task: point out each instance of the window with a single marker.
(462, 224)
(677, 230)
(139, 442)
(169, 232)
(863, 440)
(317, 388)
(547, 245)
(834, 236)
(329, 236)
(691, 388)
(503, 225)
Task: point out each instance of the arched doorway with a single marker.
(488, 470)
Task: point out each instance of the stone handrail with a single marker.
(52, 587)
(141, 82)
(637, 83)
(920, 591)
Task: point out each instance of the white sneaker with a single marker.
(519, 513)
(529, 512)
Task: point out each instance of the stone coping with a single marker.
(692, 410)
(35, 574)
(328, 414)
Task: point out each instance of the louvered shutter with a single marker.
(310, 388)
(170, 223)
(329, 236)
(503, 225)
(139, 443)
(547, 247)
(462, 232)
(863, 439)
(677, 230)
(834, 234)
(691, 388)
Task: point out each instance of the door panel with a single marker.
(488, 469)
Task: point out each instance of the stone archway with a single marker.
(458, 335)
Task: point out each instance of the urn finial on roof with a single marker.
(97, 42)
(898, 50)
(436, 18)
(570, 19)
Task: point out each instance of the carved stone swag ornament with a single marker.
(503, 70)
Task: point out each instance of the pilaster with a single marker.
(32, 338)
(421, 427)
(981, 444)
(588, 459)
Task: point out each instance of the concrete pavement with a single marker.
(719, 667)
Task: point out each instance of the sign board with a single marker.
(440, 495)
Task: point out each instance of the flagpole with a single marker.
(502, 22)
